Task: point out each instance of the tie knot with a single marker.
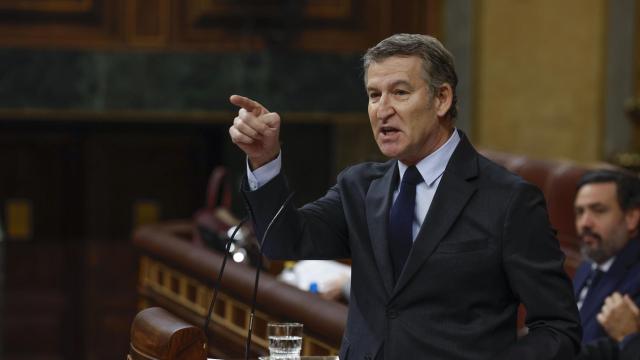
(412, 176)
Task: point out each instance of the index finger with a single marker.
(250, 105)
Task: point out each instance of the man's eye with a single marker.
(400, 92)
(374, 96)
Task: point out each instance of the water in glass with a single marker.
(285, 340)
(285, 347)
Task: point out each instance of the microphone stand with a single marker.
(255, 287)
(216, 286)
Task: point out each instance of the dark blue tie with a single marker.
(594, 278)
(401, 220)
(590, 284)
(592, 281)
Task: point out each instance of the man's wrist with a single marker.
(257, 162)
(262, 175)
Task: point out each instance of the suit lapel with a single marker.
(453, 193)
(378, 201)
(611, 280)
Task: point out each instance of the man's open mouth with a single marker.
(385, 130)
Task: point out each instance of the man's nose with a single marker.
(584, 221)
(385, 108)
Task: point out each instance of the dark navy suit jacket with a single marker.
(623, 277)
(485, 246)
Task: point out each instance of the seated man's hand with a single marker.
(619, 316)
(334, 289)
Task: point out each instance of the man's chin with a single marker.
(596, 255)
(390, 152)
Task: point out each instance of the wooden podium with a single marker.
(157, 334)
(178, 276)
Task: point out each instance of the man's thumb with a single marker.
(272, 120)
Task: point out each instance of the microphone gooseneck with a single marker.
(216, 286)
(255, 286)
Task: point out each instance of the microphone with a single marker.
(258, 268)
(216, 286)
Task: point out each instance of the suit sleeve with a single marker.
(601, 349)
(608, 349)
(533, 263)
(631, 350)
(316, 231)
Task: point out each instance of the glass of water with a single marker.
(285, 340)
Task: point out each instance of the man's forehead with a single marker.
(604, 192)
(394, 68)
(395, 60)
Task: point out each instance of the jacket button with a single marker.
(392, 313)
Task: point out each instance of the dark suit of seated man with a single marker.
(445, 244)
(607, 217)
(620, 318)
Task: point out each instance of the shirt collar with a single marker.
(432, 166)
(604, 267)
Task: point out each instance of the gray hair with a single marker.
(437, 61)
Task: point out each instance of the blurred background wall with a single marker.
(113, 113)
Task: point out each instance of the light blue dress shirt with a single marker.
(431, 168)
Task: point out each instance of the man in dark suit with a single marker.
(607, 217)
(444, 243)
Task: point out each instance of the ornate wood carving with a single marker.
(49, 6)
(357, 24)
(83, 23)
(147, 22)
(212, 25)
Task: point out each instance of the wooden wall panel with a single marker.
(311, 11)
(147, 22)
(41, 273)
(129, 167)
(334, 25)
(41, 171)
(60, 23)
(69, 288)
(109, 270)
(50, 6)
(41, 302)
(212, 25)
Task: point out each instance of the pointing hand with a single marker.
(255, 130)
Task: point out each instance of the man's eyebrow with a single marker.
(597, 205)
(371, 88)
(393, 84)
(591, 205)
(400, 82)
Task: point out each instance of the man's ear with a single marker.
(632, 218)
(444, 98)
